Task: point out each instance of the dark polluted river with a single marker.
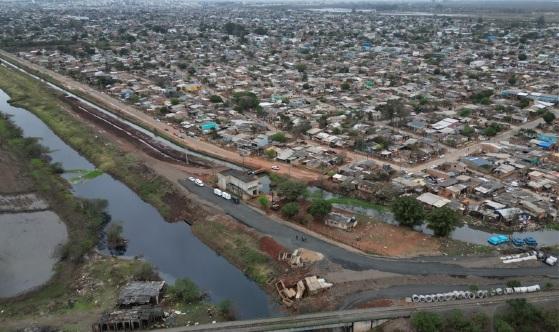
(170, 247)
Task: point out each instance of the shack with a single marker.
(140, 293)
(128, 319)
(340, 221)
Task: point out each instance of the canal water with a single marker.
(170, 247)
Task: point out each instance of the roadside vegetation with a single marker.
(518, 316)
(239, 247)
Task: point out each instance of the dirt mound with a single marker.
(271, 247)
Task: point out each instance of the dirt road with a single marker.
(147, 121)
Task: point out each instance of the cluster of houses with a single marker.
(396, 88)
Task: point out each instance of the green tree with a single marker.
(279, 137)
(468, 131)
(523, 316)
(408, 211)
(512, 80)
(174, 101)
(292, 190)
(502, 326)
(522, 57)
(264, 201)
(345, 86)
(216, 99)
(524, 103)
(290, 209)
(270, 153)
(245, 100)
(426, 322)
(548, 117)
(465, 112)
(185, 291)
(456, 321)
(301, 67)
(320, 208)
(442, 221)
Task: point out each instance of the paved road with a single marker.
(348, 317)
(286, 235)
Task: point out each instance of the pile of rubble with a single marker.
(300, 257)
(307, 286)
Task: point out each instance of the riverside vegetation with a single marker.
(84, 284)
(34, 96)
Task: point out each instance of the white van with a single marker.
(217, 192)
(226, 195)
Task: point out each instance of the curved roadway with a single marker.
(286, 235)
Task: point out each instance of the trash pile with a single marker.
(307, 286)
(468, 295)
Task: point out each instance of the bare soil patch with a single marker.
(382, 239)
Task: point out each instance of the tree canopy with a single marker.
(292, 190)
(548, 117)
(245, 100)
(320, 208)
(408, 211)
(279, 137)
(442, 221)
(426, 322)
(290, 209)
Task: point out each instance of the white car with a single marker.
(217, 192)
(275, 167)
(226, 195)
(192, 179)
(199, 182)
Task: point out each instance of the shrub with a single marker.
(290, 209)
(185, 291)
(426, 322)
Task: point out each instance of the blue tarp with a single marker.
(498, 239)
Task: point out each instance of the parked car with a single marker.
(275, 167)
(226, 195)
(191, 178)
(217, 192)
(517, 241)
(235, 200)
(199, 182)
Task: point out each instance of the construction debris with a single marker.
(300, 257)
(305, 287)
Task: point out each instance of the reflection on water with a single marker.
(172, 248)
